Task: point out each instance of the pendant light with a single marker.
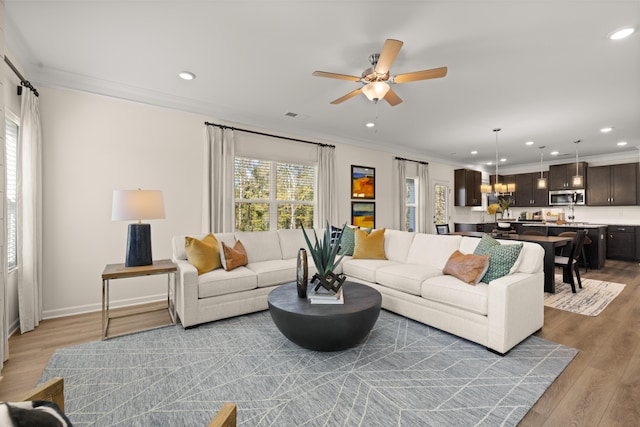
(542, 181)
(577, 180)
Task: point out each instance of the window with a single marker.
(271, 195)
(410, 205)
(12, 192)
(440, 215)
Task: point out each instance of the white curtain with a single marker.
(29, 209)
(326, 188)
(399, 193)
(218, 206)
(423, 211)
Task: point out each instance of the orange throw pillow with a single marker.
(469, 268)
(234, 257)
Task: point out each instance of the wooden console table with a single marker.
(119, 271)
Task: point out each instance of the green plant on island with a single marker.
(505, 203)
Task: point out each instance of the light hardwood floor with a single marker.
(601, 387)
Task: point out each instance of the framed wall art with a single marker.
(363, 182)
(363, 214)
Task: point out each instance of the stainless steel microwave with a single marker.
(566, 197)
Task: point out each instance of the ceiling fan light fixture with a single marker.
(375, 91)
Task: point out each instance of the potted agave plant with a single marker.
(324, 253)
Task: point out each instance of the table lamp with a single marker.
(137, 205)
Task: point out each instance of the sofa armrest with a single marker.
(515, 309)
(186, 292)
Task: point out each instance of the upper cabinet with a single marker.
(527, 193)
(560, 176)
(613, 185)
(467, 187)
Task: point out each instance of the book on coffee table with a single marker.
(324, 297)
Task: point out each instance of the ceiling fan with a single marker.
(376, 79)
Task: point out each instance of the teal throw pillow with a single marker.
(485, 243)
(501, 257)
(348, 242)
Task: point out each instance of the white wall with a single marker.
(94, 144)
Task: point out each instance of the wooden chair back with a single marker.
(226, 417)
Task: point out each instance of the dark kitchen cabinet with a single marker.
(621, 242)
(613, 185)
(560, 176)
(527, 193)
(467, 187)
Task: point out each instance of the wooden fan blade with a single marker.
(421, 75)
(347, 96)
(336, 76)
(388, 55)
(392, 98)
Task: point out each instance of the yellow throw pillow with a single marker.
(203, 254)
(369, 245)
(234, 257)
(469, 268)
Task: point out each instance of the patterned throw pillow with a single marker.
(501, 257)
(348, 242)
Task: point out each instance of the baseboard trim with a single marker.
(90, 308)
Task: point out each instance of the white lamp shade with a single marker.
(375, 91)
(131, 205)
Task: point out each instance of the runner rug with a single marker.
(403, 374)
(591, 300)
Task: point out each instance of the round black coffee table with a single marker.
(325, 327)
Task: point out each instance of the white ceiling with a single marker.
(540, 70)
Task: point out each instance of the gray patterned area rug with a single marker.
(591, 300)
(403, 374)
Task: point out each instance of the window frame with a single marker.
(12, 264)
(273, 202)
(408, 205)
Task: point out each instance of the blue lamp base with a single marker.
(139, 245)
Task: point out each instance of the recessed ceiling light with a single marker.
(474, 152)
(554, 153)
(503, 159)
(606, 129)
(622, 143)
(186, 75)
(529, 143)
(622, 33)
(489, 163)
(370, 124)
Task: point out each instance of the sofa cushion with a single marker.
(220, 282)
(432, 249)
(454, 292)
(203, 254)
(274, 272)
(397, 244)
(406, 277)
(469, 268)
(364, 269)
(292, 240)
(261, 245)
(369, 245)
(502, 258)
(233, 257)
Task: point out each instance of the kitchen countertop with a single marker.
(568, 225)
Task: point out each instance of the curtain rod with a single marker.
(267, 134)
(415, 161)
(23, 81)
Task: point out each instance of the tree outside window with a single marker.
(273, 195)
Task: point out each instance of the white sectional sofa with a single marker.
(498, 315)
